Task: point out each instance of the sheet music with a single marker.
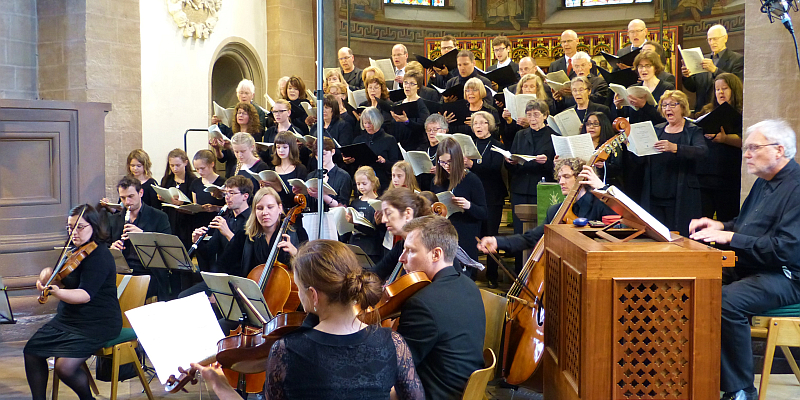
(642, 139)
(386, 66)
(176, 333)
(578, 146)
(640, 212)
(693, 59)
(568, 122)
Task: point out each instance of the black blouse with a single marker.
(488, 169)
(198, 190)
(100, 317)
(311, 364)
(526, 176)
(411, 134)
(385, 145)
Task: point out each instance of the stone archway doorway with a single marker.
(235, 60)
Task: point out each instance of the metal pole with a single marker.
(348, 23)
(320, 121)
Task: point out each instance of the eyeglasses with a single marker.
(410, 83)
(230, 194)
(434, 130)
(581, 89)
(444, 163)
(344, 58)
(644, 66)
(670, 105)
(279, 111)
(78, 228)
(469, 90)
(632, 31)
(755, 147)
(497, 49)
(594, 124)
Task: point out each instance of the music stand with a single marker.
(159, 250)
(634, 216)
(363, 259)
(219, 286)
(6, 315)
(120, 262)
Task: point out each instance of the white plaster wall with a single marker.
(176, 73)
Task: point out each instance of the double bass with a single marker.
(523, 341)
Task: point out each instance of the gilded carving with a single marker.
(195, 17)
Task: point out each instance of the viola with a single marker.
(523, 341)
(68, 263)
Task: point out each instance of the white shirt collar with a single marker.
(503, 64)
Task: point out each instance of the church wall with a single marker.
(18, 53)
(176, 93)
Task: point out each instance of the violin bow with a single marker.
(514, 278)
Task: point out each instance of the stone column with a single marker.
(18, 50)
(290, 41)
(772, 77)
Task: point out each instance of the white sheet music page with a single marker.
(176, 333)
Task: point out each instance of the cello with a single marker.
(276, 283)
(523, 340)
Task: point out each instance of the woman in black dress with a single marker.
(489, 170)
(410, 132)
(648, 65)
(286, 162)
(347, 113)
(671, 191)
(369, 239)
(203, 162)
(334, 355)
(721, 174)
(468, 193)
(139, 166)
(611, 170)
(333, 125)
(381, 143)
(88, 312)
(296, 94)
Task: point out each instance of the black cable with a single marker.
(796, 53)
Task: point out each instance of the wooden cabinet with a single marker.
(636, 320)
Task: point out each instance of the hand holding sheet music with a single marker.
(642, 139)
(692, 59)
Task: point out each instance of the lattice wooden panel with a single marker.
(572, 321)
(652, 339)
(551, 301)
(478, 47)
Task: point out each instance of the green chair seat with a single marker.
(792, 310)
(126, 335)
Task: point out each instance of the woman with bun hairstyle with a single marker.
(398, 206)
(334, 354)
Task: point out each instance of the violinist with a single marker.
(139, 217)
(398, 206)
(443, 323)
(88, 314)
(334, 354)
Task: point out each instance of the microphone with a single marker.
(203, 236)
(779, 9)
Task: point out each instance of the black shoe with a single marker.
(740, 395)
(493, 285)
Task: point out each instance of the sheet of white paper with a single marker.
(311, 225)
(342, 226)
(643, 138)
(640, 212)
(386, 66)
(568, 122)
(176, 333)
(446, 198)
(578, 146)
(693, 59)
(620, 91)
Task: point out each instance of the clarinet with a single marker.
(197, 242)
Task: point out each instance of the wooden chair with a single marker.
(494, 307)
(121, 349)
(476, 385)
(781, 328)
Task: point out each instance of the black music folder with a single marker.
(724, 116)
(449, 60)
(624, 77)
(410, 108)
(456, 90)
(397, 95)
(459, 108)
(627, 59)
(361, 152)
(503, 77)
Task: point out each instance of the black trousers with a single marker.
(742, 299)
(723, 202)
(491, 227)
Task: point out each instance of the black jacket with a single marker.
(489, 170)
(467, 223)
(149, 219)
(526, 176)
(385, 145)
(458, 79)
(702, 84)
(691, 150)
(340, 181)
(444, 326)
(411, 134)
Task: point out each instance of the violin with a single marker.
(68, 261)
(523, 341)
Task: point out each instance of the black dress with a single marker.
(299, 115)
(150, 196)
(269, 137)
(468, 223)
(489, 170)
(180, 223)
(287, 197)
(198, 189)
(311, 364)
(368, 239)
(411, 134)
(78, 330)
(385, 145)
(257, 167)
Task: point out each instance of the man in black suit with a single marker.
(598, 87)
(444, 323)
(637, 34)
(139, 218)
(569, 42)
(719, 60)
(439, 77)
(501, 47)
(466, 70)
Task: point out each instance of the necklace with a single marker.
(429, 154)
(480, 160)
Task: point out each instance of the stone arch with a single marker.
(235, 59)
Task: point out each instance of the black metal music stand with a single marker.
(6, 315)
(219, 285)
(363, 259)
(159, 250)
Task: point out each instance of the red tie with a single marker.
(569, 66)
